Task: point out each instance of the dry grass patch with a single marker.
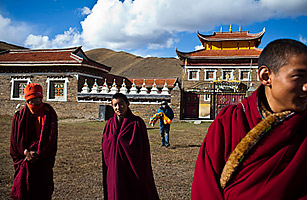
(78, 173)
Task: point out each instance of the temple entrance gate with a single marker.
(222, 100)
(191, 105)
(218, 94)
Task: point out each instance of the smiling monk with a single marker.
(258, 148)
(127, 172)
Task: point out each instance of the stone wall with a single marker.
(176, 100)
(69, 108)
(7, 106)
(74, 109)
(145, 111)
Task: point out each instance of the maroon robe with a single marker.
(127, 172)
(275, 168)
(33, 180)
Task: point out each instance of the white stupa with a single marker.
(85, 88)
(165, 89)
(95, 88)
(143, 90)
(154, 89)
(114, 89)
(123, 89)
(133, 89)
(104, 89)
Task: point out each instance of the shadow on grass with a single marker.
(183, 146)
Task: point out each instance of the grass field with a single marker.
(78, 173)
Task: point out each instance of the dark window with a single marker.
(226, 75)
(18, 89)
(209, 74)
(193, 75)
(244, 75)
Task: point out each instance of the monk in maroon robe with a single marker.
(258, 148)
(127, 172)
(33, 147)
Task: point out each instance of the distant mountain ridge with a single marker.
(5, 46)
(131, 66)
(128, 65)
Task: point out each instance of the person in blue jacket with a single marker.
(165, 128)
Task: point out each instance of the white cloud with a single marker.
(70, 38)
(169, 43)
(284, 8)
(85, 11)
(302, 39)
(154, 24)
(37, 41)
(13, 32)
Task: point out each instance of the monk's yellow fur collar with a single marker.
(250, 139)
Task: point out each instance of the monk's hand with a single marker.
(31, 156)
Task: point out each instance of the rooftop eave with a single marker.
(219, 58)
(188, 55)
(184, 55)
(70, 62)
(72, 49)
(255, 37)
(77, 58)
(48, 64)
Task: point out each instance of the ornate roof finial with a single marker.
(221, 30)
(239, 28)
(230, 29)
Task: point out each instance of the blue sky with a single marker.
(145, 27)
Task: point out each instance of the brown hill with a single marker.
(128, 65)
(131, 66)
(5, 46)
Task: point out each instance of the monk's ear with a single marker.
(264, 74)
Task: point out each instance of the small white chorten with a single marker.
(95, 88)
(133, 89)
(143, 90)
(154, 89)
(123, 89)
(85, 88)
(114, 89)
(165, 89)
(104, 89)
